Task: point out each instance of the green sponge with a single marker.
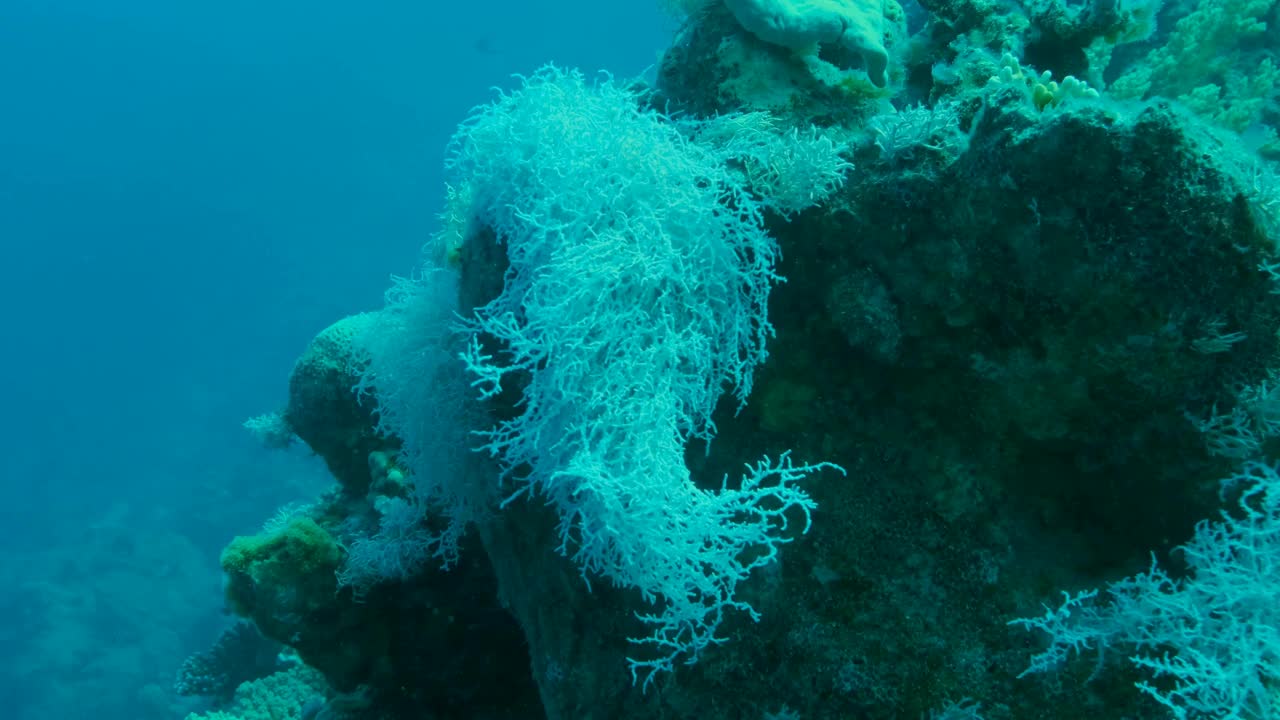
(803, 25)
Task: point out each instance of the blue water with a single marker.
(188, 192)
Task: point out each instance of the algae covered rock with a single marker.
(325, 412)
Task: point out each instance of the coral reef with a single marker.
(1032, 323)
(240, 654)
